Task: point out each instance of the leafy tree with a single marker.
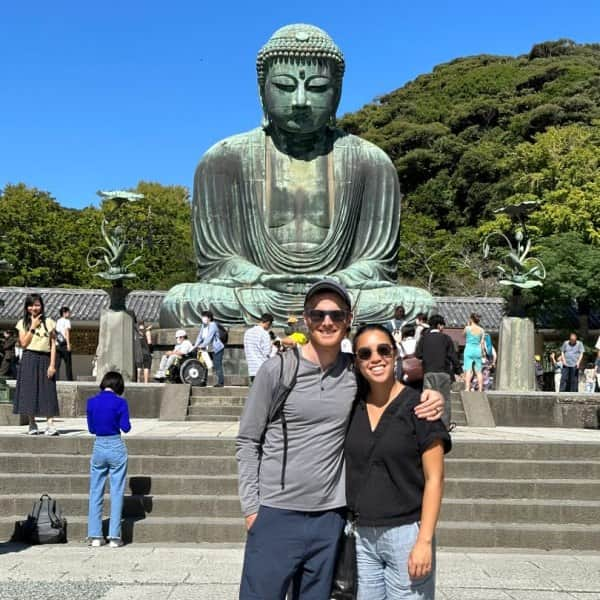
(572, 274)
(158, 228)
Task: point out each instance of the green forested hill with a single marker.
(483, 131)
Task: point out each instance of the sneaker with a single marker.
(97, 542)
(115, 543)
(159, 375)
(51, 431)
(451, 427)
(33, 429)
(218, 385)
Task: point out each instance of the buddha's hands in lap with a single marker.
(431, 406)
(289, 284)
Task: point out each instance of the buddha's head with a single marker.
(300, 71)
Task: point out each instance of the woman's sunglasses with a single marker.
(384, 350)
(317, 316)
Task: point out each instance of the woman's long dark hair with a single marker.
(30, 300)
(363, 384)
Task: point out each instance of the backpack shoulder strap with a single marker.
(288, 373)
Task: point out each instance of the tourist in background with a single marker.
(571, 354)
(208, 340)
(557, 365)
(8, 367)
(182, 347)
(35, 395)
(395, 324)
(107, 417)
(406, 349)
(590, 378)
(421, 325)
(347, 343)
(257, 344)
(63, 343)
(394, 477)
(295, 334)
(440, 362)
(142, 350)
(472, 356)
(539, 373)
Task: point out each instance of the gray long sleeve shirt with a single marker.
(317, 412)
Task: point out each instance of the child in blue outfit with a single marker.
(107, 416)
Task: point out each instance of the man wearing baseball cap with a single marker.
(291, 476)
(182, 347)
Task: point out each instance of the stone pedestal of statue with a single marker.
(516, 350)
(115, 344)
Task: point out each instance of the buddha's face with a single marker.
(301, 97)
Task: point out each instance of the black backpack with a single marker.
(45, 523)
(223, 333)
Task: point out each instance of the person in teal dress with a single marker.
(472, 357)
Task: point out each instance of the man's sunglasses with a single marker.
(318, 316)
(384, 350)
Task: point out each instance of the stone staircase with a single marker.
(498, 494)
(457, 411)
(217, 404)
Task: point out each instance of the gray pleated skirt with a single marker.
(35, 393)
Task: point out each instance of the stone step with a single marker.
(78, 483)
(228, 506)
(238, 401)
(213, 465)
(525, 511)
(215, 418)
(155, 529)
(228, 390)
(449, 534)
(198, 410)
(482, 449)
(160, 446)
(25, 483)
(558, 489)
(148, 464)
(149, 505)
(188, 446)
(517, 535)
(522, 469)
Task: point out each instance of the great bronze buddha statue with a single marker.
(284, 205)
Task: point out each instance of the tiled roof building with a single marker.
(86, 305)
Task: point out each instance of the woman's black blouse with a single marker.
(392, 493)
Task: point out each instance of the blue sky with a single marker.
(100, 95)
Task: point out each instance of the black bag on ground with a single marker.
(45, 523)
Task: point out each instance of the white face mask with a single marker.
(205, 320)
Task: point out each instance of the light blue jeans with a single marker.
(382, 560)
(109, 459)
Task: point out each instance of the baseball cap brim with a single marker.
(328, 285)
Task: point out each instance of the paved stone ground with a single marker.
(182, 572)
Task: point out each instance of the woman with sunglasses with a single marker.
(394, 477)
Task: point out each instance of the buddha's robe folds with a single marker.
(245, 272)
